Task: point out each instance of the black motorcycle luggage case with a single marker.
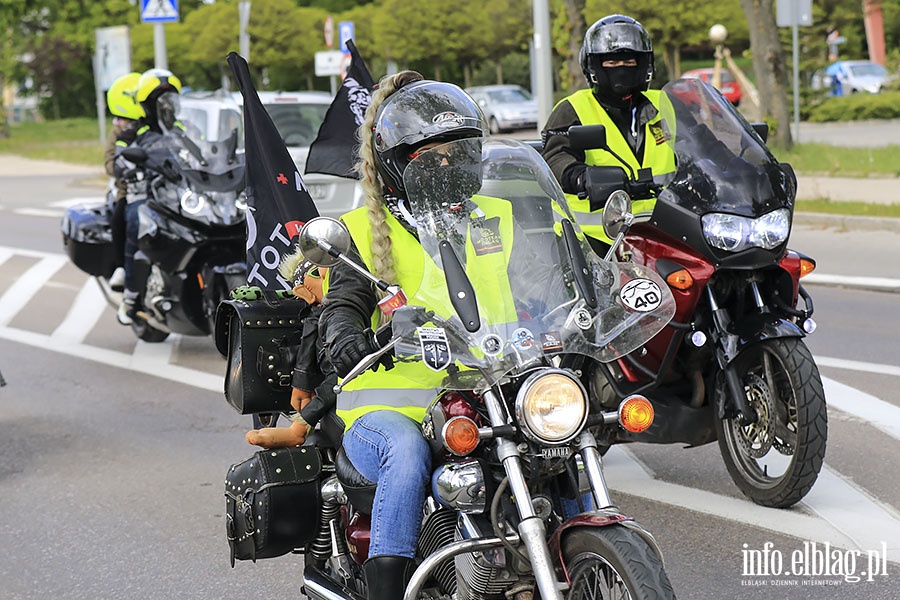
(87, 236)
(259, 339)
(272, 502)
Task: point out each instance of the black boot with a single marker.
(387, 576)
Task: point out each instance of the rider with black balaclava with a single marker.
(617, 61)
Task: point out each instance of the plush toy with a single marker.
(308, 280)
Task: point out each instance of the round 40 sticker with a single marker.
(641, 295)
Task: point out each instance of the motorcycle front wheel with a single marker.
(612, 563)
(776, 460)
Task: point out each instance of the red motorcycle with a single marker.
(732, 364)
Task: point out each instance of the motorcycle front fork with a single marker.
(531, 527)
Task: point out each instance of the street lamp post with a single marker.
(718, 35)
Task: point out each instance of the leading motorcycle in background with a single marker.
(732, 365)
(192, 232)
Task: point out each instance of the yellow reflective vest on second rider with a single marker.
(410, 387)
(658, 156)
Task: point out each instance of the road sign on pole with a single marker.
(346, 31)
(159, 11)
(329, 32)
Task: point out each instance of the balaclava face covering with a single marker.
(616, 85)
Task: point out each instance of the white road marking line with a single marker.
(856, 365)
(853, 512)
(77, 200)
(31, 253)
(183, 375)
(159, 354)
(879, 414)
(83, 315)
(814, 519)
(40, 212)
(870, 283)
(25, 287)
(6, 254)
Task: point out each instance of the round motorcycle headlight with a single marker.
(771, 229)
(551, 406)
(724, 231)
(192, 203)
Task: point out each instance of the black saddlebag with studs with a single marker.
(272, 502)
(259, 334)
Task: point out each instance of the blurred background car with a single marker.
(729, 88)
(214, 114)
(297, 116)
(852, 75)
(506, 107)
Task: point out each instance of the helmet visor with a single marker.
(617, 37)
(434, 110)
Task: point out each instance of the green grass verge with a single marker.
(858, 209)
(843, 162)
(67, 140)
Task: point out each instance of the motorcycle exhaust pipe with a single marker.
(318, 586)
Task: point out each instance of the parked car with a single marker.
(729, 85)
(852, 76)
(297, 116)
(214, 114)
(506, 107)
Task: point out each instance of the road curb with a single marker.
(849, 222)
(872, 284)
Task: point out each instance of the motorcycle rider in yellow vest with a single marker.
(382, 409)
(617, 60)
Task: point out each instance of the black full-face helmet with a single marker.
(617, 37)
(421, 113)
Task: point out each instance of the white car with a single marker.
(506, 107)
(297, 116)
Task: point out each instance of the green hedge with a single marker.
(855, 107)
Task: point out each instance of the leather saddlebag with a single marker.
(272, 502)
(260, 338)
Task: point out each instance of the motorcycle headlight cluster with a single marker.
(212, 206)
(734, 233)
(551, 406)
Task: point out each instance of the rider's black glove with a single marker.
(349, 349)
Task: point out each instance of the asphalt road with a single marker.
(114, 451)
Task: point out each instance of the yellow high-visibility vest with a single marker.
(410, 387)
(658, 156)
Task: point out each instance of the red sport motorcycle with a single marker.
(731, 365)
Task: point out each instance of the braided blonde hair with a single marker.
(368, 175)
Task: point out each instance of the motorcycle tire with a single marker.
(613, 562)
(147, 333)
(776, 460)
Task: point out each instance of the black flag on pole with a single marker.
(278, 201)
(334, 150)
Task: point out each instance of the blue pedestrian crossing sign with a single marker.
(345, 32)
(159, 11)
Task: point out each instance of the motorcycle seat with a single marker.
(360, 491)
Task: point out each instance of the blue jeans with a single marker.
(131, 236)
(388, 448)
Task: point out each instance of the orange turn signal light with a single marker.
(680, 279)
(460, 435)
(636, 413)
(807, 266)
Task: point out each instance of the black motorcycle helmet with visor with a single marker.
(423, 112)
(617, 37)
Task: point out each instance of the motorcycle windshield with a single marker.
(723, 164)
(501, 277)
(207, 163)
